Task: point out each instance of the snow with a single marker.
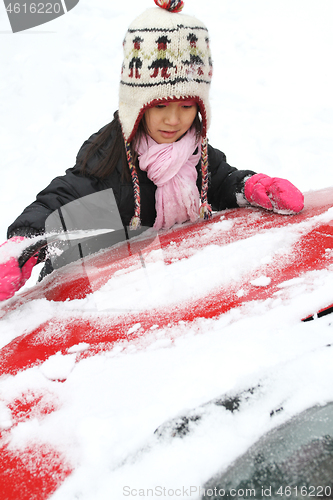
(272, 112)
(58, 367)
(261, 281)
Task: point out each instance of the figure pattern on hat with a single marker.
(136, 62)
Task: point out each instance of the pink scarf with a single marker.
(172, 168)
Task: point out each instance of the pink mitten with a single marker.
(274, 194)
(12, 277)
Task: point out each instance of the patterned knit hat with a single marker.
(166, 58)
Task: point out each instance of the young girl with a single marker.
(154, 154)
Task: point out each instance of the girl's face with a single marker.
(168, 122)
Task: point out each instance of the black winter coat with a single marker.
(224, 184)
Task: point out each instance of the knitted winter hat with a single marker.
(166, 58)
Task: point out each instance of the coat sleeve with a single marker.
(226, 183)
(60, 191)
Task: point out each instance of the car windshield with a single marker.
(294, 460)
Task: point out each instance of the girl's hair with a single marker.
(116, 150)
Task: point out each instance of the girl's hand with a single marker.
(12, 277)
(274, 194)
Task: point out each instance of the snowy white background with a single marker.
(272, 112)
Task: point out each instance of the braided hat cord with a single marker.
(135, 221)
(205, 209)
